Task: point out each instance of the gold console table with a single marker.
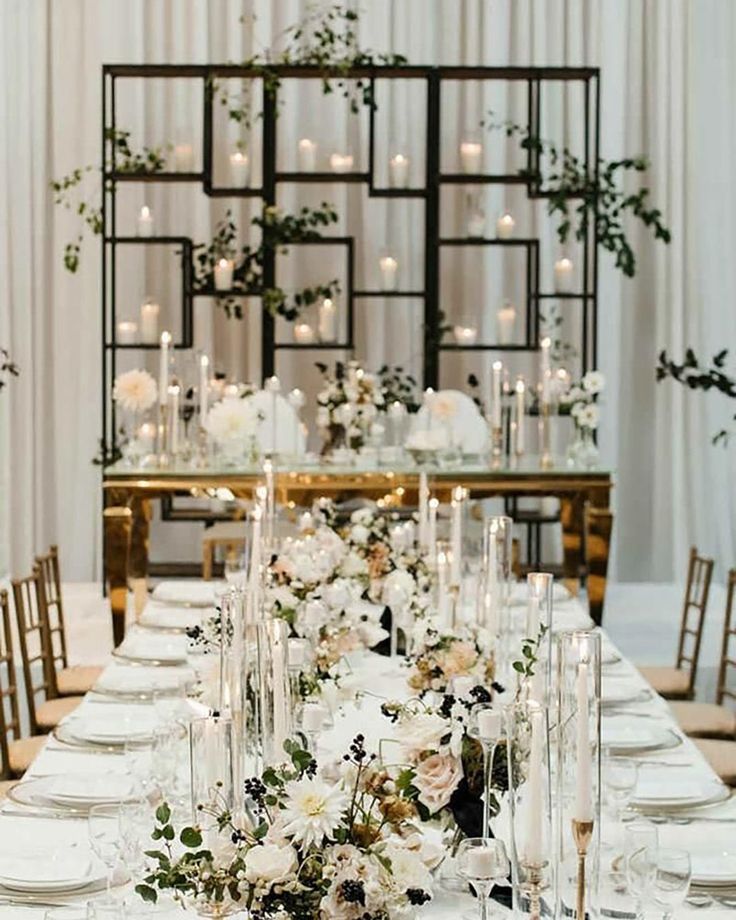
(584, 510)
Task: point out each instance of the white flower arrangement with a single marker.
(232, 420)
(581, 398)
(135, 391)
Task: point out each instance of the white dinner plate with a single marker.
(676, 789)
(74, 789)
(615, 690)
(154, 649)
(115, 728)
(187, 593)
(54, 871)
(713, 869)
(629, 735)
(141, 680)
(175, 619)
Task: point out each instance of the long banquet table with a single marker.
(584, 505)
(704, 830)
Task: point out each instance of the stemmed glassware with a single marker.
(620, 775)
(485, 727)
(672, 875)
(482, 861)
(640, 858)
(103, 828)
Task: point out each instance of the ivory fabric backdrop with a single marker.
(668, 90)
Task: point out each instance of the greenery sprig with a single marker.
(529, 656)
(8, 368)
(599, 195)
(692, 374)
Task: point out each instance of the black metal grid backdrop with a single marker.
(435, 179)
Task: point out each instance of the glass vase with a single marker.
(274, 691)
(494, 586)
(577, 768)
(211, 745)
(583, 453)
(532, 848)
(538, 631)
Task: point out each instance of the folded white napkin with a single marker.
(196, 593)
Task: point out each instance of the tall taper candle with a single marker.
(163, 373)
(204, 383)
(432, 530)
(520, 416)
(584, 772)
(534, 855)
(423, 518)
(496, 394)
(456, 535)
(174, 399)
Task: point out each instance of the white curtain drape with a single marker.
(668, 91)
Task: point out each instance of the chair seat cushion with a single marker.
(78, 680)
(23, 752)
(671, 683)
(225, 532)
(705, 720)
(721, 755)
(51, 712)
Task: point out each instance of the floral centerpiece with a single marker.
(135, 392)
(580, 401)
(440, 656)
(330, 844)
(232, 423)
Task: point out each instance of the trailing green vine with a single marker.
(580, 196)
(278, 230)
(691, 373)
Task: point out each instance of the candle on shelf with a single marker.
(476, 224)
(533, 843)
(184, 158)
(471, 154)
(399, 170)
(303, 333)
(174, 392)
(489, 724)
(307, 155)
(497, 371)
(204, 365)
(231, 391)
(327, 321)
(341, 162)
(432, 529)
(145, 221)
(389, 270)
(126, 332)
(465, 335)
(584, 771)
(272, 384)
(520, 416)
(563, 275)
(423, 511)
(147, 435)
(505, 322)
(456, 535)
(163, 373)
(150, 311)
(544, 369)
(239, 167)
(224, 274)
(505, 226)
(481, 863)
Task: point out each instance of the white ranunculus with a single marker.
(437, 777)
(589, 416)
(270, 863)
(135, 391)
(593, 382)
(359, 534)
(232, 419)
(577, 408)
(362, 516)
(423, 732)
(339, 594)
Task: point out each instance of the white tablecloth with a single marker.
(382, 678)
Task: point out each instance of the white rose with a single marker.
(423, 732)
(353, 566)
(359, 534)
(270, 863)
(437, 777)
(362, 516)
(593, 382)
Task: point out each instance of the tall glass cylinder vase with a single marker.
(538, 630)
(212, 745)
(494, 587)
(578, 771)
(532, 848)
(274, 694)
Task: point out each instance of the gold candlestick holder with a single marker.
(535, 883)
(163, 435)
(582, 834)
(201, 455)
(496, 440)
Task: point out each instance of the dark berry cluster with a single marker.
(497, 688)
(481, 695)
(448, 701)
(358, 753)
(418, 896)
(353, 892)
(255, 790)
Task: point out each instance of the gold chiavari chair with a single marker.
(678, 683)
(65, 681)
(35, 646)
(16, 753)
(714, 720)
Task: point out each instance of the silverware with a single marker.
(32, 904)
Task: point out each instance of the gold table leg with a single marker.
(117, 522)
(598, 527)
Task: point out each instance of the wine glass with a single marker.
(482, 861)
(671, 879)
(136, 824)
(621, 775)
(103, 829)
(640, 853)
(484, 726)
(235, 568)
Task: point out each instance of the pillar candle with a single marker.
(389, 270)
(224, 274)
(239, 166)
(341, 162)
(184, 158)
(399, 170)
(505, 227)
(126, 332)
(145, 221)
(496, 394)
(174, 401)
(533, 850)
(520, 415)
(432, 529)
(149, 321)
(563, 275)
(423, 511)
(303, 334)
(456, 535)
(307, 155)
(327, 322)
(296, 400)
(584, 771)
(489, 725)
(505, 322)
(481, 863)
(163, 374)
(465, 335)
(204, 365)
(471, 153)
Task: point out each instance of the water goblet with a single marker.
(620, 775)
(671, 879)
(485, 727)
(136, 824)
(103, 829)
(640, 854)
(482, 862)
(235, 568)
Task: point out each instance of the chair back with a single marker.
(726, 682)
(9, 715)
(49, 567)
(28, 595)
(699, 574)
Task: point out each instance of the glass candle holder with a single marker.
(211, 745)
(485, 726)
(495, 582)
(538, 630)
(577, 768)
(274, 694)
(532, 839)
